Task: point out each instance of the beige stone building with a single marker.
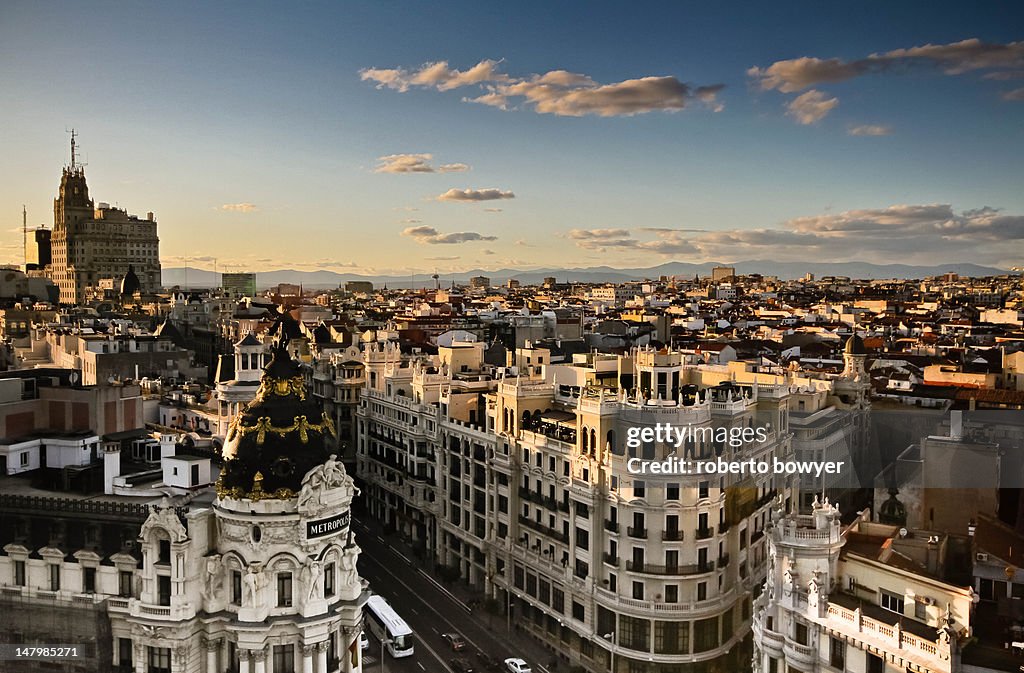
(95, 242)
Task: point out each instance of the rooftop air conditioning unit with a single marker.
(981, 556)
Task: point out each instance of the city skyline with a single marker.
(408, 138)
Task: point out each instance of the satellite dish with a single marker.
(903, 532)
(73, 378)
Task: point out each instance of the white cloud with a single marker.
(239, 208)
(1015, 94)
(899, 233)
(557, 92)
(474, 195)
(432, 236)
(414, 163)
(811, 107)
(955, 58)
(869, 130)
(1003, 61)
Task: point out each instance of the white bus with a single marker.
(385, 624)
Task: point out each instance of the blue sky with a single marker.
(655, 132)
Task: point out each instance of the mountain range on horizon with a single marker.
(322, 279)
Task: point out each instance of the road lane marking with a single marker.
(402, 556)
(414, 611)
(421, 666)
(447, 593)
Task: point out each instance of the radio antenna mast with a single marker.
(24, 235)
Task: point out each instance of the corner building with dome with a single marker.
(264, 580)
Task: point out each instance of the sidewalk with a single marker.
(496, 626)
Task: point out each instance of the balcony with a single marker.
(640, 533)
(672, 535)
(671, 570)
(799, 654)
(705, 533)
(723, 561)
(610, 560)
(543, 530)
(612, 526)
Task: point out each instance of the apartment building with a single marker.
(520, 483)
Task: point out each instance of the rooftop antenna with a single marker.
(24, 234)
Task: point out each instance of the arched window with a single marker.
(586, 442)
(593, 440)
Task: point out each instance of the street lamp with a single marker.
(383, 641)
(611, 637)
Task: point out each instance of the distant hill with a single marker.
(190, 277)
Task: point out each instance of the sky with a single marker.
(409, 137)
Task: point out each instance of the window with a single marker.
(837, 653)
(558, 600)
(284, 590)
(24, 458)
(582, 539)
(638, 590)
(19, 573)
(891, 602)
(639, 489)
(800, 633)
(163, 589)
(578, 611)
(159, 659)
(875, 664)
(672, 491)
(124, 583)
(671, 593)
(920, 610)
(124, 654)
(671, 637)
(89, 580)
(634, 633)
(236, 587)
(703, 489)
(329, 580)
(284, 659)
(165, 552)
(54, 577)
(702, 591)
(705, 634)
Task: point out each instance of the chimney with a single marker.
(956, 424)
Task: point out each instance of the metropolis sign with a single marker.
(328, 526)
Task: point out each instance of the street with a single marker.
(430, 611)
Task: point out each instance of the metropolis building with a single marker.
(263, 579)
(519, 482)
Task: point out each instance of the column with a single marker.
(260, 657)
(321, 657)
(212, 648)
(243, 661)
(307, 658)
(346, 636)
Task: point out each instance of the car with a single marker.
(517, 665)
(455, 641)
(364, 642)
(461, 665)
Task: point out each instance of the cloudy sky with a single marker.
(407, 137)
